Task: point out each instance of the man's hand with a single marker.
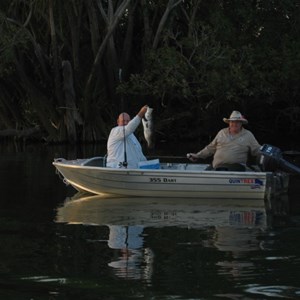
(142, 111)
(192, 156)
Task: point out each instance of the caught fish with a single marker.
(149, 127)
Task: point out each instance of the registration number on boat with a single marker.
(162, 180)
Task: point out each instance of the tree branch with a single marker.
(170, 6)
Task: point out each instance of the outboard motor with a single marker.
(270, 156)
(271, 160)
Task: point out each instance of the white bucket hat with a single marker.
(236, 116)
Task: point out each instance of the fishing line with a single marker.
(124, 163)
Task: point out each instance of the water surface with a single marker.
(58, 244)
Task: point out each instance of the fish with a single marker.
(148, 127)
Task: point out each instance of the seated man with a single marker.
(231, 146)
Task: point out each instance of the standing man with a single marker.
(122, 145)
(231, 146)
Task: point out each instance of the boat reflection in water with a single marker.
(127, 219)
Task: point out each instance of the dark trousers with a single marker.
(228, 167)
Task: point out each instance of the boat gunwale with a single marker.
(159, 171)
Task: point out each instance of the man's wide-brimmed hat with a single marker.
(236, 116)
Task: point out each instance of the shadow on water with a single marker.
(56, 244)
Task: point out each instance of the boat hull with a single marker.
(182, 181)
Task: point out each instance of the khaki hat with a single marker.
(236, 116)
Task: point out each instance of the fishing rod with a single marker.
(124, 163)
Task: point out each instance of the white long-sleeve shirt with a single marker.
(115, 145)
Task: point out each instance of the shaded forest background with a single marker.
(68, 68)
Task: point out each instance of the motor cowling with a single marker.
(270, 157)
(272, 160)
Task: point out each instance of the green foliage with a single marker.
(195, 71)
(165, 74)
(197, 59)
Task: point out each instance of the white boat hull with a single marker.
(172, 180)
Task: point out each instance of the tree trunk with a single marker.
(170, 6)
(147, 28)
(94, 26)
(117, 16)
(127, 45)
(43, 107)
(74, 14)
(72, 116)
(54, 49)
(9, 109)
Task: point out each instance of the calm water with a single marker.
(56, 244)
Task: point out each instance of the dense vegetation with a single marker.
(67, 68)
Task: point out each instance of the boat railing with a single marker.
(183, 166)
(98, 161)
